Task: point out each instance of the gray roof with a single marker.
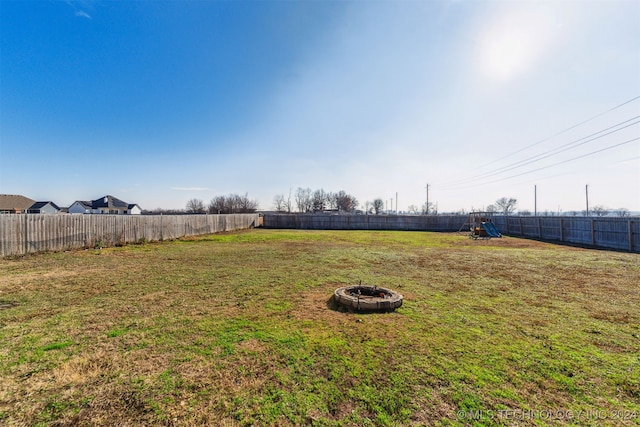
(40, 205)
(84, 203)
(109, 202)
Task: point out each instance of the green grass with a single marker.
(239, 329)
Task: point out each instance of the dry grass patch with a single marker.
(238, 329)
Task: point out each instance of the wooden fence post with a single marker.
(593, 233)
(26, 233)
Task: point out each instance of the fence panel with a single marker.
(607, 233)
(30, 233)
(599, 232)
(365, 222)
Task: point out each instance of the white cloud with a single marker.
(82, 14)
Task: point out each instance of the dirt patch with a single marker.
(24, 278)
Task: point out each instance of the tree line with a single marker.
(507, 206)
(306, 200)
(231, 204)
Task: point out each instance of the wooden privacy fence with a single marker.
(29, 233)
(606, 233)
(365, 222)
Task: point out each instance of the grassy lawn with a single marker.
(239, 329)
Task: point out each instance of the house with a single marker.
(105, 205)
(48, 208)
(14, 204)
(80, 207)
(134, 209)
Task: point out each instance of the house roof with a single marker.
(109, 202)
(40, 205)
(15, 202)
(84, 203)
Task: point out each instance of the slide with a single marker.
(491, 229)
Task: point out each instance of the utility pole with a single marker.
(396, 203)
(535, 200)
(427, 198)
(586, 192)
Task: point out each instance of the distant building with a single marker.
(47, 208)
(14, 204)
(105, 205)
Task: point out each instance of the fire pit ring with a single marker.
(366, 298)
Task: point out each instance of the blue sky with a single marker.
(160, 102)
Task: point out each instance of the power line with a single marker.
(546, 154)
(560, 133)
(558, 163)
(460, 181)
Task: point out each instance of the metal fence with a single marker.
(30, 233)
(606, 233)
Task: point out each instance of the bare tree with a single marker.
(195, 206)
(622, 212)
(279, 204)
(346, 202)
(506, 205)
(378, 205)
(303, 199)
(433, 209)
(331, 200)
(246, 205)
(413, 209)
(318, 201)
(233, 203)
(600, 210)
(288, 202)
(368, 207)
(217, 205)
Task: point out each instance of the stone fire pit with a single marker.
(366, 298)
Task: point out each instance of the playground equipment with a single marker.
(481, 226)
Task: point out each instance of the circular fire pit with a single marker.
(367, 298)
